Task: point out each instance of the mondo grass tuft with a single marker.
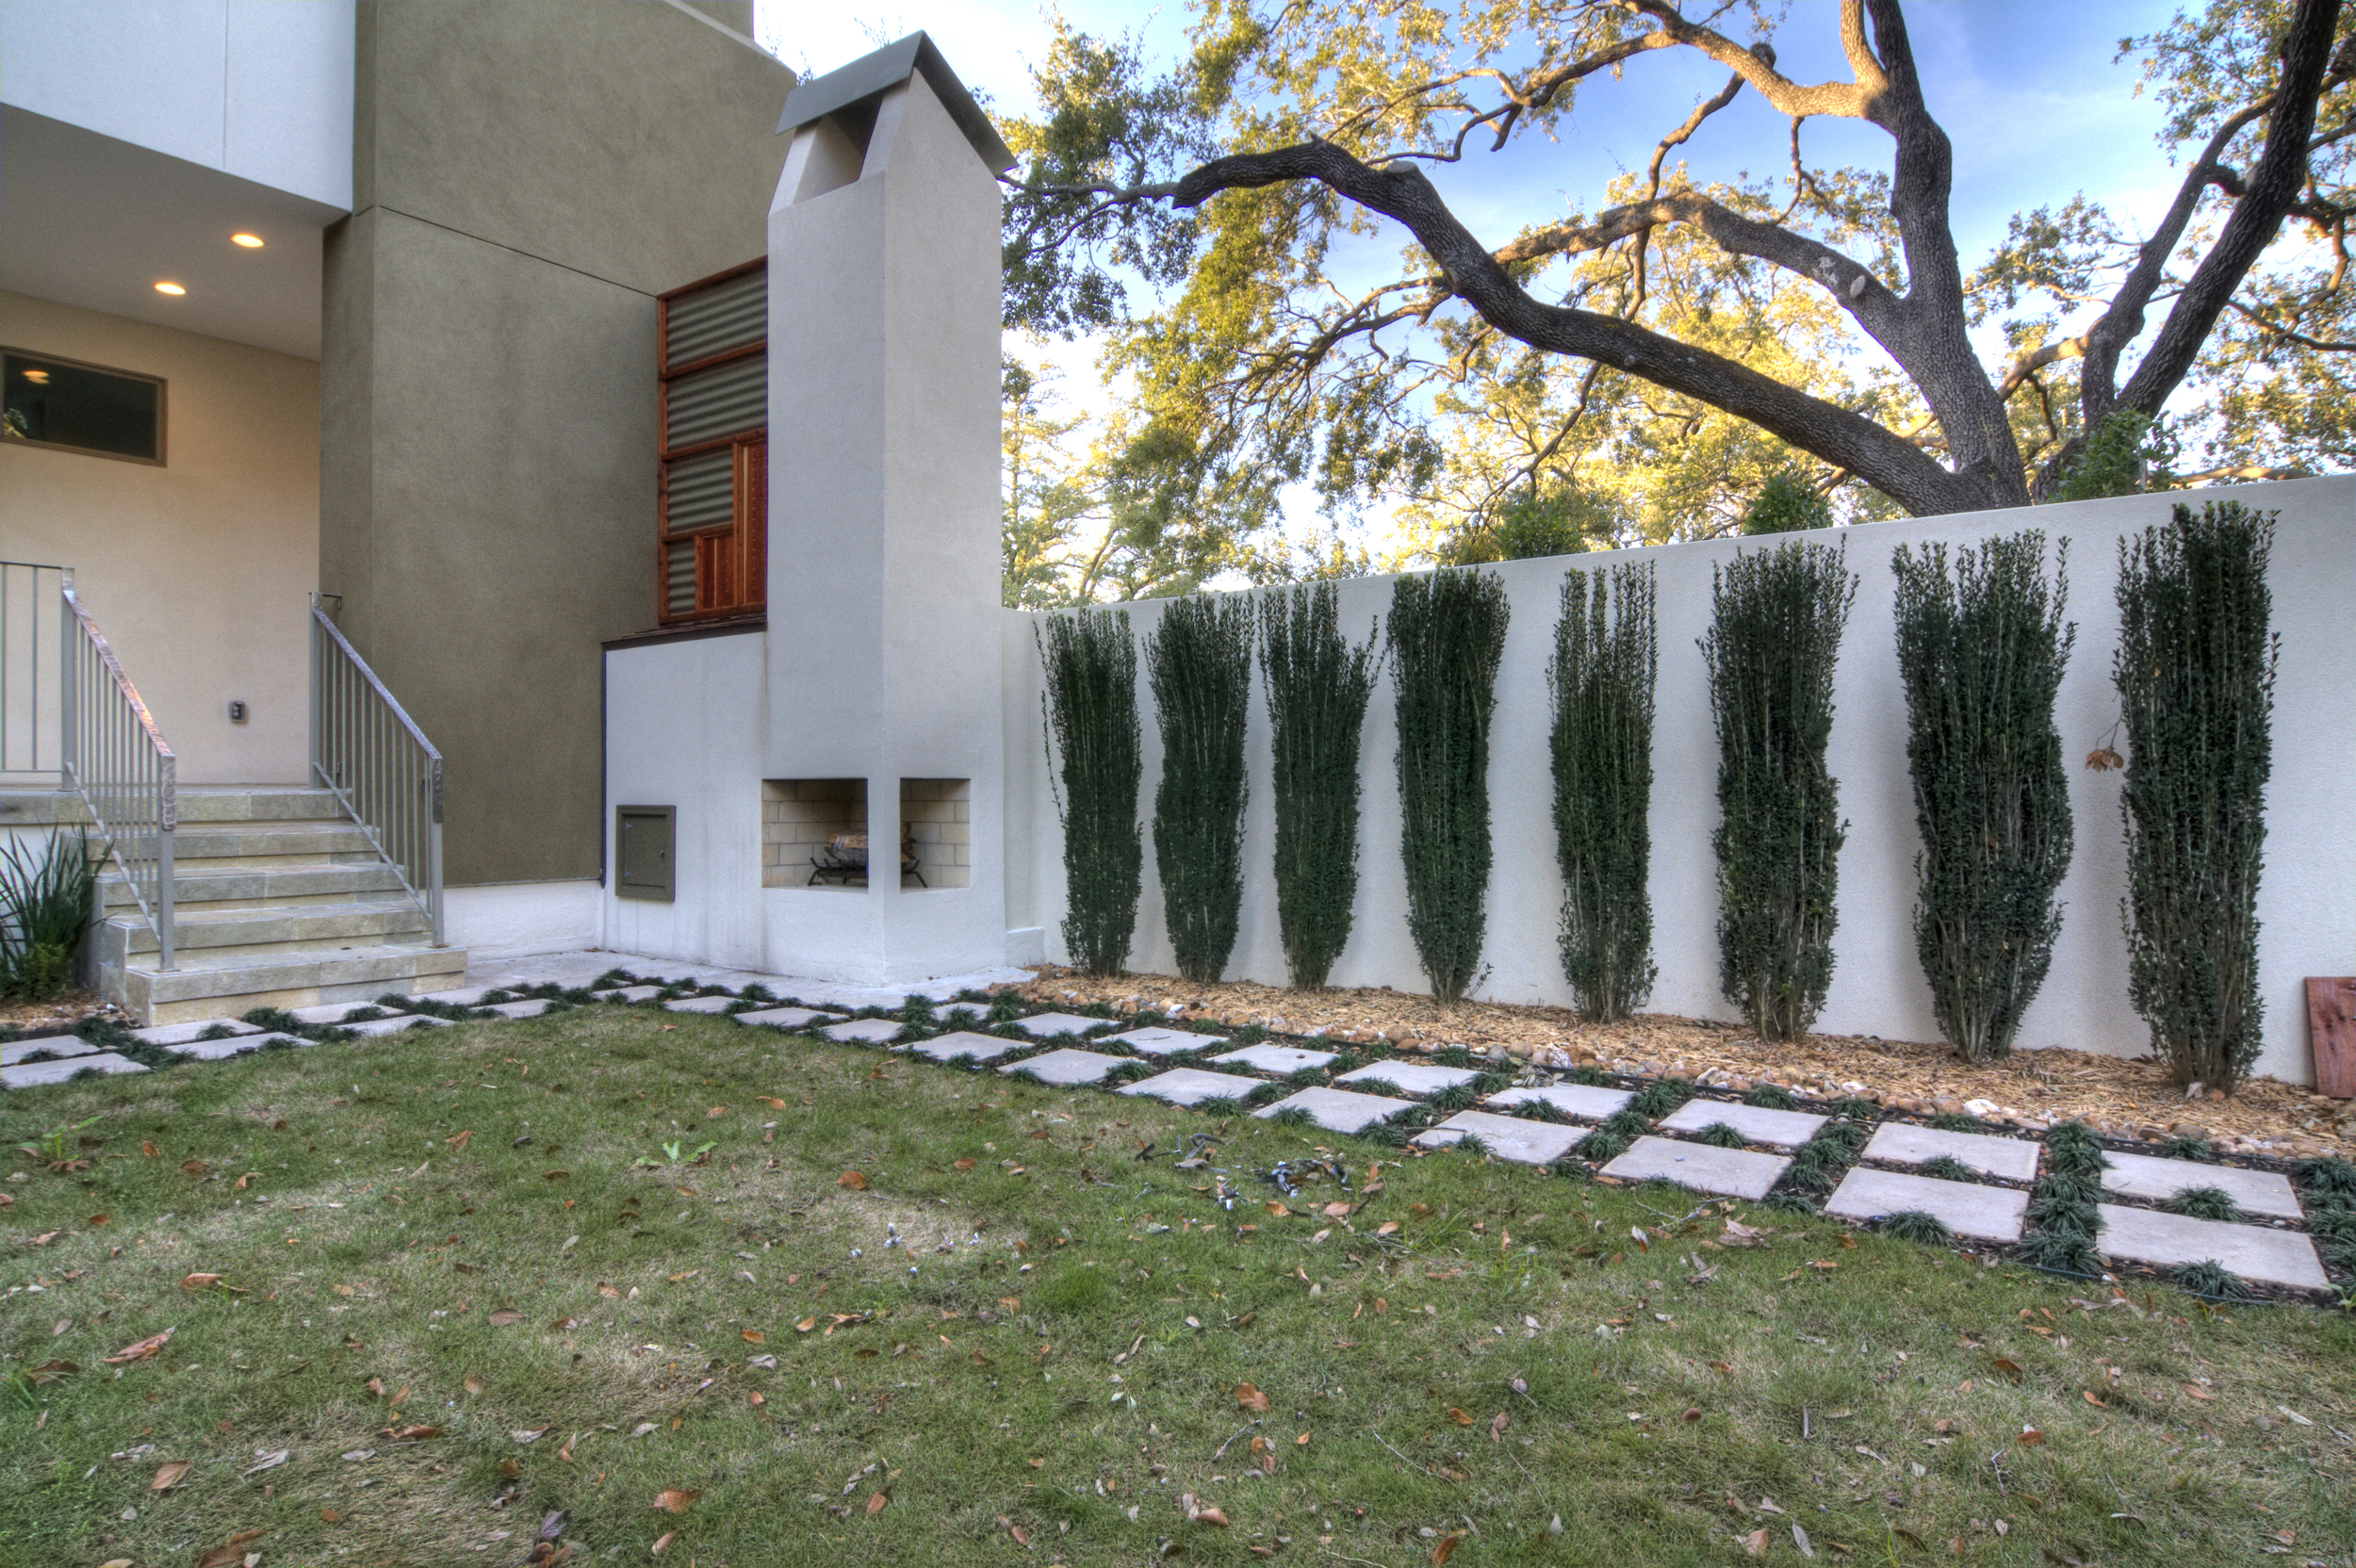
(2213, 1279)
(1456, 1097)
(1573, 1170)
(2070, 1251)
(1627, 1123)
(1292, 1115)
(1452, 1055)
(1915, 1225)
(1472, 1144)
(1850, 1108)
(1220, 1104)
(1383, 1087)
(1773, 1097)
(1957, 1121)
(1541, 1110)
(1590, 1077)
(2204, 1204)
(2331, 1176)
(1945, 1167)
(2074, 1149)
(1790, 1203)
(1811, 1178)
(1719, 1135)
(1658, 1098)
(1601, 1146)
(2195, 1150)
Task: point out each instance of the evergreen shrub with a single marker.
(1090, 706)
(2194, 671)
(1446, 632)
(1601, 681)
(1772, 644)
(1199, 662)
(1981, 653)
(1317, 686)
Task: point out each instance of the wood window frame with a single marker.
(731, 560)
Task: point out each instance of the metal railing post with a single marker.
(68, 754)
(167, 827)
(373, 758)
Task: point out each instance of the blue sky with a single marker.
(2030, 91)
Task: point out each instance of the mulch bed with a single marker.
(2123, 1098)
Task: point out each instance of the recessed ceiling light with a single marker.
(251, 241)
(170, 288)
(39, 377)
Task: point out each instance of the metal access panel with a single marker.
(642, 842)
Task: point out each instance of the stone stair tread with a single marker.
(196, 964)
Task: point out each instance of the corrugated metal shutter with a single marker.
(713, 320)
(726, 399)
(700, 492)
(678, 579)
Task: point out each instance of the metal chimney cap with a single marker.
(816, 97)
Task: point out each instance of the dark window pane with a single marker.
(73, 405)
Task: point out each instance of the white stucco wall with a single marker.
(199, 572)
(258, 88)
(511, 920)
(2307, 902)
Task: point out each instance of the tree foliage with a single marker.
(1774, 637)
(1981, 651)
(1668, 342)
(2194, 671)
(1317, 687)
(1447, 635)
(1199, 662)
(1605, 657)
(1089, 705)
(1786, 504)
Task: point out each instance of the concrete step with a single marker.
(213, 846)
(256, 886)
(40, 805)
(223, 933)
(208, 987)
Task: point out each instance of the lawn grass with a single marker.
(1035, 1353)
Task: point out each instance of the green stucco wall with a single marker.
(529, 174)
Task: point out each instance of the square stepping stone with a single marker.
(1727, 1172)
(333, 1012)
(2166, 1240)
(56, 1045)
(961, 1046)
(628, 993)
(1579, 1102)
(531, 1006)
(1275, 1058)
(865, 1031)
(699, 1004)
(26, 1074)
(241, 1045)
(179, 1034)
(471, 997)
(374, 1027)
(787, 1018)
(1985, 1214)
(1779, 1129)
(1416, 1078)
(1902, 1143)
(1066, 1069)
(1042, 1026)
(2257, 1192)
(1338, 1110)
(1155, 1040)
(1186, 1086)
(1509, 1137)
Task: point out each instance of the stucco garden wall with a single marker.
(2307, 902)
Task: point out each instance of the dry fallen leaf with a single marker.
(411, 1434)
(661, 1543)
(1211, 1516)
(230, 1552)
(1459, 1416)
(170, 1476)
(329, 1515)
(1249, 1398)
(853, 1180)
(459, 1140)
(1754, 1543)
(1447, 1548)
(877, 1502)
(756, 1397)
(754, 1336)
(140, 1351)
(198, 1281)
(503, 1317)
(474, 1384)
(2031, 1437)
(612, 1293)
(676, 1499)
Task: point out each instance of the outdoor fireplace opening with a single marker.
(813, 833)
(936, 831)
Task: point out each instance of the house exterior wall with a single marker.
(199, 571)
(2306, 902)
(528, 175)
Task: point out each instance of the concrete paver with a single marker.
(1338, 1110)
(2167, 1240)
(24, 1075)
(961, 1046)
(1065, 1068)
(1042, 1026)
(1275, 1058)
(175, 1034)
(785, 1018)
(1509, 1137)
(1579, 1102)
(627, 993)
(334, 1012)
(219, 1050)
(1416, 1078)
(868, 1030)
(1968, 1209)
(1157, 1041)
(1902, 1143)
(1729, 1172)
(56, 1045)
(699, 1004)
(1780, 1129)
(1187, 1085)
(531, 1007)
(470, 997)
(400, 1024)
(2257, 1192)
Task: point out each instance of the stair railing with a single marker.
(30, 611)
(114, 757)
(378, 763)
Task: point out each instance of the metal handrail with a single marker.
(28, 708)
(113, 754)
(372, 756)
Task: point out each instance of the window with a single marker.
(67, 406)
(712, 531)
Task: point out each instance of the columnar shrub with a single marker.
(1981, 653)
(1446, 632)
(1199, 661)
(1605, 658)
(1090, 706)
(1318, 689)
(2195, 672)
(1774, 635)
